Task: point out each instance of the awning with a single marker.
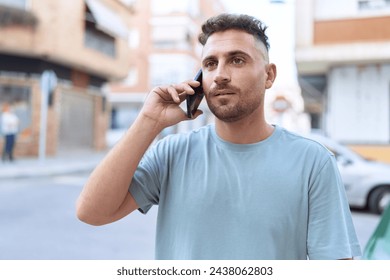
(107, 20)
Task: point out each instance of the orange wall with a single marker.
(380, 153)
(352, 30)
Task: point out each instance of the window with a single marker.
(97, 39)
(15, 13)
(103, 27)
(106, 20)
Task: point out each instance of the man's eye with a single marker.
(237, 61)
(210, 64)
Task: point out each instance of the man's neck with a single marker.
(243, 132)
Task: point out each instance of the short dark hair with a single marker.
(226, 21)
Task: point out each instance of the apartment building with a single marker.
(164, 40)
(343, 61)
(70, 49)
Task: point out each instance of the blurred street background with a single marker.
(74, 75)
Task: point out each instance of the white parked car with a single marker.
(367, 182)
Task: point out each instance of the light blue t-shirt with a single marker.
(281, 198)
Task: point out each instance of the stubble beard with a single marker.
(230, 112)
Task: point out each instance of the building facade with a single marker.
(343, 61)
(83, 44)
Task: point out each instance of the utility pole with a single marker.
(48, 83)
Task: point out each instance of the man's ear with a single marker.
(271, 75)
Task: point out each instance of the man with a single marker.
(238, 189)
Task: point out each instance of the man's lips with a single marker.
(221, 92)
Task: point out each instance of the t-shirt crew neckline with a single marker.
(243, 147)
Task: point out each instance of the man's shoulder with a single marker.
(303, 141)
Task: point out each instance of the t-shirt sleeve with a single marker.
(331, 233)
(146, 182)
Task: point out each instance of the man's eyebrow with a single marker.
(228, 54)
(237, 52)
(209, 57)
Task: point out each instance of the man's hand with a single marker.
(163, 104)
(105, 197)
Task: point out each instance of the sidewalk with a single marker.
(64, 162)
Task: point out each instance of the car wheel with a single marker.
(379, 199)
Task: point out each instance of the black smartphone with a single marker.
(194, 100)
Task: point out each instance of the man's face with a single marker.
(235, 74)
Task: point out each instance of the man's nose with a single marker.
(222, 75)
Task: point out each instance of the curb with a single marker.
(32, 167)
(19, 172)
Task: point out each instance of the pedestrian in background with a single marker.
(9, 129)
